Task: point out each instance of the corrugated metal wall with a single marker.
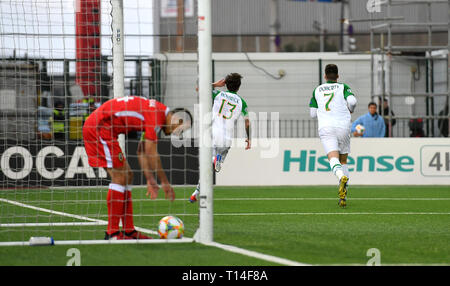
(237, 17)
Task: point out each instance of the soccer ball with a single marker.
(170, 227)
(360, 129)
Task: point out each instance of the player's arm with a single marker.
(152, 184)
(350, 97)
(154, 164)
(247, 132)
(219, 83)
(313, 106)
(248, 140)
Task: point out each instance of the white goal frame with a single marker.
(204, 233)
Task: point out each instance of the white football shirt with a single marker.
(227, 108)
(330, 99)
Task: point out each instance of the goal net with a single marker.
(58, 64)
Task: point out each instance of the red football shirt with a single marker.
(130, 113)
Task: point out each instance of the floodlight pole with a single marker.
(205, 232)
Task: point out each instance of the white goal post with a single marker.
(205, 233)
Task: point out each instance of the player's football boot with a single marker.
(135, 235)
(118, 235)
(193, 197)
(217, 163)
(343, 191)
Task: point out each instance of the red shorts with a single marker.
(101, 151)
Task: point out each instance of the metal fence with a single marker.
(403, 127)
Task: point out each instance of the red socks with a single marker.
(128, 225)
(115, 200)
(120, 208)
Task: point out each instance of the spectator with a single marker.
(416, 128)
(443, 123)
(384, 110)
(59, 118)
(372, 122)
(44, 118)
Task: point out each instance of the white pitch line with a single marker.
(328, 199)
(335, 213)
(49, 211)
(255, 254)
(251, 199)
(311, 213)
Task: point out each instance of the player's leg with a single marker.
(343, 160)
(99, 155)
(129, 230)
(336, 167)
(120, 204)
(116, 200)
(343, 186)
(193, 198)
(344, 147)
(330, 144)
(219, 155)
(330, 141)
(219, 159)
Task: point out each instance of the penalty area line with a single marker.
(335, 213)
(328, 199)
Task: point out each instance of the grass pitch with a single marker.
(406, 224)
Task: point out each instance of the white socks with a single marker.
(336, 167)
(345, 170)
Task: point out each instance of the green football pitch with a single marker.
(397, 225)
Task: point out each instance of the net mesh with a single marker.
(56, 68)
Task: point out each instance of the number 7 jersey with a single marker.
(330, 99)
(227, 108)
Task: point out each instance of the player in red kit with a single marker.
(100, 135)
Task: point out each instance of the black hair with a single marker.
(372, 103)
(233, 81)
(331, 71)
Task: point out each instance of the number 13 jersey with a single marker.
(227, 108)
